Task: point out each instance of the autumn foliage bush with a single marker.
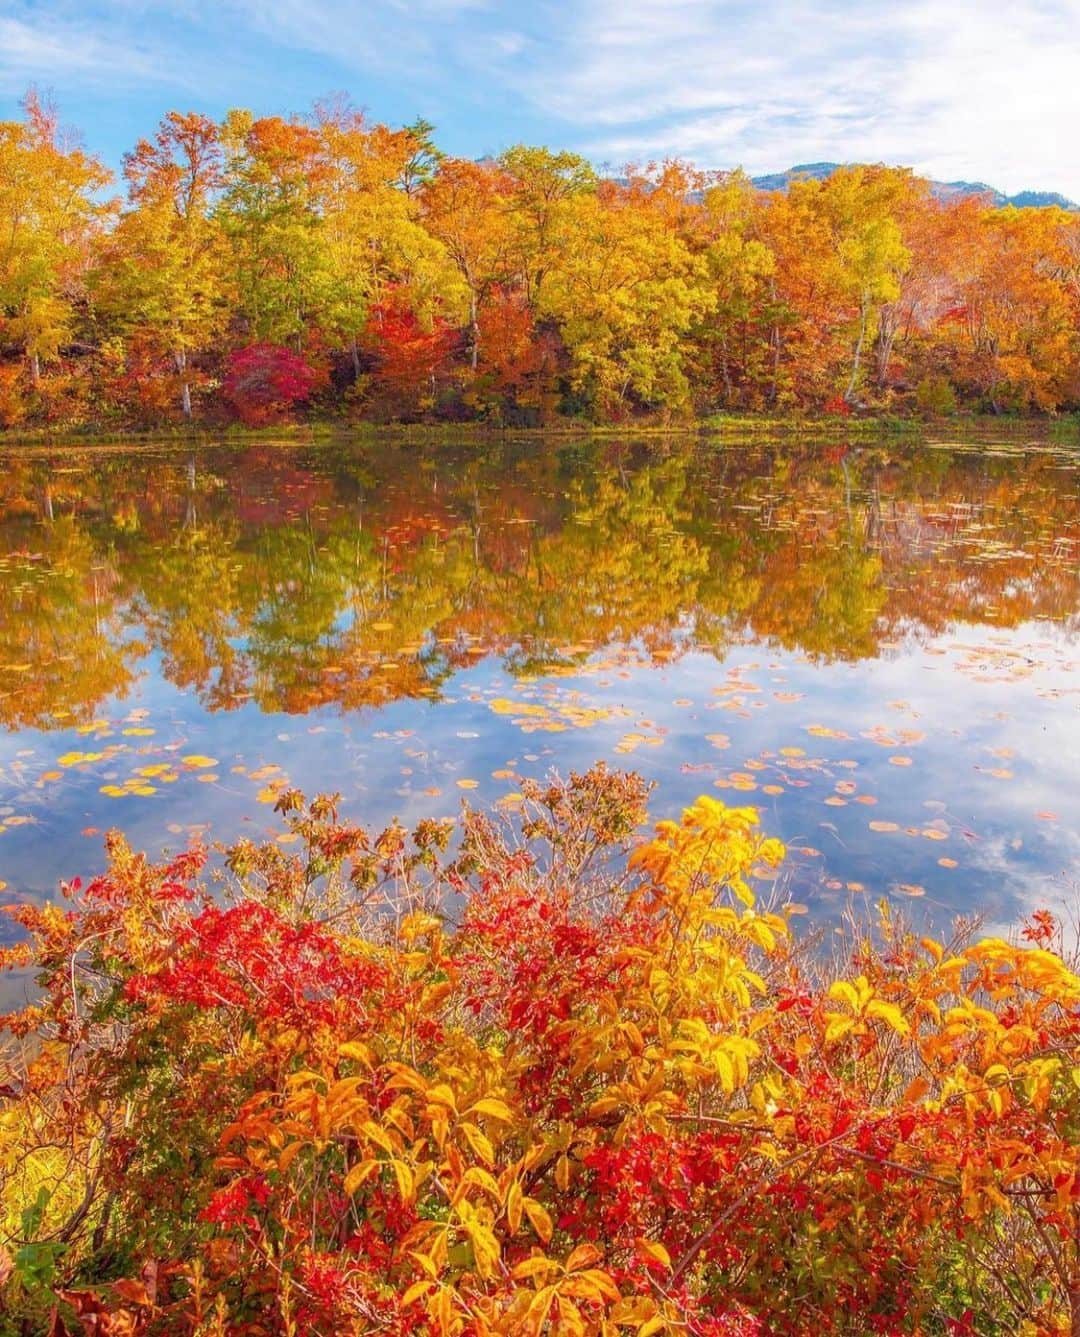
(512, 1081)
(264, 381)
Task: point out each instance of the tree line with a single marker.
(265, 266)
(294, 578)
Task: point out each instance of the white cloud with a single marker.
(981, 89)
(965, 89)
(61, 47)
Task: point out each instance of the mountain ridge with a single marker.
(1024, 199)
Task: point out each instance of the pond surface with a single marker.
(876, 645)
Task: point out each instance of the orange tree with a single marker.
(494, 1083)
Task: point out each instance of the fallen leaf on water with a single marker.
(948, 863)
(78, 758)
(467, 784)
(883, 826)
(900, 761)
(196, 761)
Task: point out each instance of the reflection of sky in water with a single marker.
(964, 743)
(406, 759)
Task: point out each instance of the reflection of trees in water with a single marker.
(301, 577)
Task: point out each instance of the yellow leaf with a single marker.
(403, 1175)
(889, 1014)
(426, 1265)
(514, 1201)
(537, 1266)
(416, 1292)
(583, 1256)
(652, 1327)
(539, 1218)
(837, 1027)
(289, 1155)
(359, 1174)
(480, 1145)
(494, 1109)
(656, 1251)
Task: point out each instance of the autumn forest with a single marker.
(615, 875)
(328, 266)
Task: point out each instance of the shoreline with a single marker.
(1040, 430)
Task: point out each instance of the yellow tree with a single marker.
(272, 213)
(628, 291)
(372, 233)
(464, 207)
(1015, 312)
(733, 337)
(162, 272)
(49, 214)
(543, 185)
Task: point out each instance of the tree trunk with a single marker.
(774, 389)
(180, 358)
(35, 371)
(726, 365)
(474, 332)
(850, 393)
(888, 328)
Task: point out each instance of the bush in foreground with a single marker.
(391, 1084)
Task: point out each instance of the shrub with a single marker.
(264, 382)
(935, 397)
(558, 1082)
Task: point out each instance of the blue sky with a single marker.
(981, 89)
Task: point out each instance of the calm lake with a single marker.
(876, 645)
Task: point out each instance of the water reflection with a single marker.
(601, 597)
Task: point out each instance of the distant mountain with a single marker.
(1025, 199)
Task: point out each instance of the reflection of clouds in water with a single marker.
(331, 640)
(1025, 886)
